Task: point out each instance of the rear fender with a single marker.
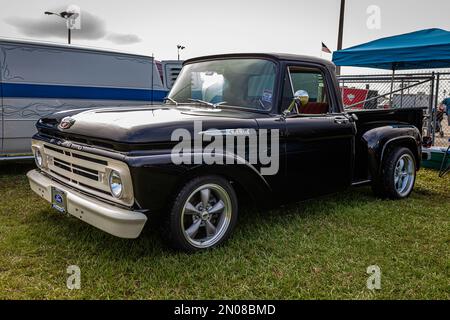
(378, 140)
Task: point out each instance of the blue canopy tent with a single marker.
(424, 49)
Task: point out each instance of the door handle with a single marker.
(341, 120)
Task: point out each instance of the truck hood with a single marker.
(143, 125)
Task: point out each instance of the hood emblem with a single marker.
(66, 123)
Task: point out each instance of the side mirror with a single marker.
(301, 97)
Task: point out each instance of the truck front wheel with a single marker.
(398, 174)
(203, 215)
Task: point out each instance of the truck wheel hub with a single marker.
(205, 215)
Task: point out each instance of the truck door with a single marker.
(319, 141)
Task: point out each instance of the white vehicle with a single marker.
(416, 100)
(37, 79)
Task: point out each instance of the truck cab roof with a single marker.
(273, 56)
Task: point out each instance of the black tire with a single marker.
(177, 221)
(385, 185)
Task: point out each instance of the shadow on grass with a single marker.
(83, 237)
(79, 236)
(86, 238)
(48, 225)
(305, 208)
(9, 168)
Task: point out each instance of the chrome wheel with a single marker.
(404, 175)
(206, 215)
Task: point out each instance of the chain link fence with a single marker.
(441, 133)
(420, 90)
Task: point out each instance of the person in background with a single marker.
(439, 118)
(446, 104)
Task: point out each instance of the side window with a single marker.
(260, 89)
(310, 80)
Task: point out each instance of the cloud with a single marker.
(118, 38)
(92, 28)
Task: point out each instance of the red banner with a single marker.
(350, 96)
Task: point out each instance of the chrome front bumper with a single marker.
(109, 218)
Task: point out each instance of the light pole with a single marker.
(341, 31)
(180, 47)
(65, 15)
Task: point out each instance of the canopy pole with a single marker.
(340, 31)
(392, 86)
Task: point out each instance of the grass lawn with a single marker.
(319, 249)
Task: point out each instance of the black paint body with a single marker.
(318, 154)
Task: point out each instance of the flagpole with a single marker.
(340, 31)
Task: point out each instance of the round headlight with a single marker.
(115, 184)
(38, 158)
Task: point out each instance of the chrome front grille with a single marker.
(77, 168)
(85, 171)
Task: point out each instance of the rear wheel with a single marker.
(398, 174)
(203, 215)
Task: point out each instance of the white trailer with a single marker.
(37, 79)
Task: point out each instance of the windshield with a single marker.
(245, 83)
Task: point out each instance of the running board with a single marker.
(15, 158)
(361, 182)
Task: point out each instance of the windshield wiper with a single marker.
(214, 105)
(171, 100)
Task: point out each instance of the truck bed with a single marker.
(370, 119)
(373, 118)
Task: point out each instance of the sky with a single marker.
(211, 26)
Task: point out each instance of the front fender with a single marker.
(377, 141)
(157, 180)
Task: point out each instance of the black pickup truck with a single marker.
(266, 127)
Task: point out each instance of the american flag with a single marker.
(325, 48)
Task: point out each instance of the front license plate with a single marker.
(59, 201)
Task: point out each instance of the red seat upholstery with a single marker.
(314, 108)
